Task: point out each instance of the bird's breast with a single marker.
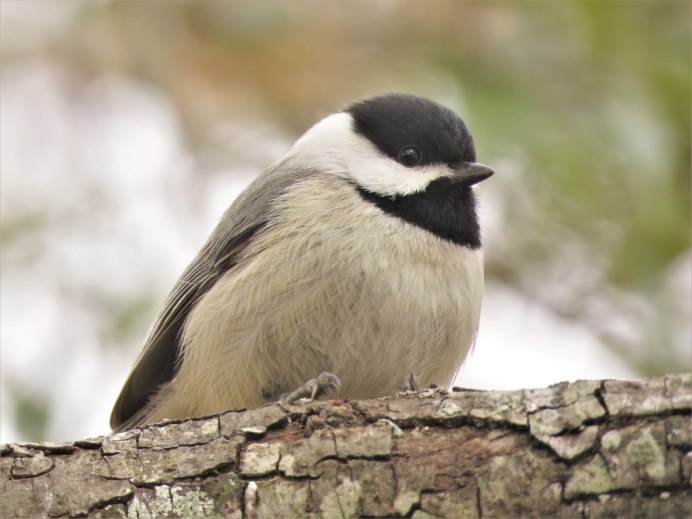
(334, 284)
(377, 296)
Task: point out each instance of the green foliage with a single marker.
(32, 413)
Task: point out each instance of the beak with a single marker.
(471, 172)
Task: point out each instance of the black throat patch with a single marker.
(446, 208)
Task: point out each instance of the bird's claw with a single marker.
(411, 384)
(412, 387)
(314, 388)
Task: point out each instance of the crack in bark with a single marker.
(601, 400)
(338, 497)
(628, 492)
(479, 507)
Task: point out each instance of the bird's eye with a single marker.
(409, 156)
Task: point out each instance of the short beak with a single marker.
(471, 172)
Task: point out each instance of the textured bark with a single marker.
(586, 449)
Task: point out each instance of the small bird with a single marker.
(354, 262)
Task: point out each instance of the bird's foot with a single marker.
(314, 388)
(412, 387)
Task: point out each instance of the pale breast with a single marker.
(364, 295)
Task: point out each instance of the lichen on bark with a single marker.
(585, 449)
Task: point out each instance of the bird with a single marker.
(353, 263)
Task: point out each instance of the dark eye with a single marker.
(409, 156)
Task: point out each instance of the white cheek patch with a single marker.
(333, 146)
(380, 174)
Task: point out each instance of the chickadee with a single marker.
(358, 253)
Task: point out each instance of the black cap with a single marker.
(394, 121)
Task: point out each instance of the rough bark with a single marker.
(586, 449)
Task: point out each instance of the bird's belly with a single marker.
(371, 313)
(409, 320)
(372, 319)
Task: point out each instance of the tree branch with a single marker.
(585, 449)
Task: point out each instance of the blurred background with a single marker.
(128, 127)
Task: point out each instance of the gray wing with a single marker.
(157, 364)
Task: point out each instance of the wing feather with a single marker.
(157, 363)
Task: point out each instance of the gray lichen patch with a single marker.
(560, 395)
(679, 390)
(411, 481)
(24, 497)
(21, 450)
(570, 446)
(150, 466)
(500, 492)
(500, 407)
(658, 506)
(364, 442)
(31, 466)
(450, 408)
(589, 477)
(636, 398)
(190, 503)
(180, 500)
(193, 432)
(253, 421)
(227, 492)
(686, 468)
(558, 416)
(378, 486)
(336, 493)
(49, 447)
(59, 485)
(122, 442)
(634, 454)
(149, 504)
(407, 411)
(277, 498)
(460, 504)
(550, 421)
(679, 431)
(301, 458)
(260, 459)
